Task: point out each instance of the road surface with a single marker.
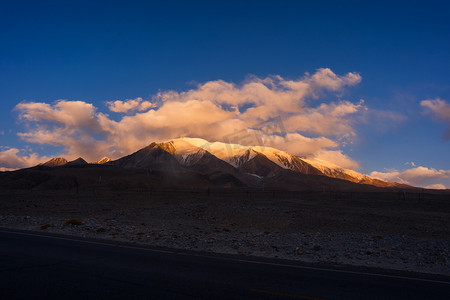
(38, 266)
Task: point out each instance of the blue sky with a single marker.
(97, 52)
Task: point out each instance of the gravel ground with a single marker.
(411, 236)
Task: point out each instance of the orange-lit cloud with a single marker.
(436, 186)
(212, 111)
(12, 158)
(418, 176)
(440, 109)
(137, 104)
(327, 119)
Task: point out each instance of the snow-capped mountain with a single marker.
(186, 153)
(189, 150)
(236, 165)
(237, 155)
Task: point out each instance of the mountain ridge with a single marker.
(238, 155)
(233, 163)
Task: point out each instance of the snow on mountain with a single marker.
(186, 153)
(237, 155)
(102, 161)
(234, 164)
(287, 160)
(233, 154)
(332, 170)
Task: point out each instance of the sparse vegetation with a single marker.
(376, 230)
(74, 222)
(45, 226)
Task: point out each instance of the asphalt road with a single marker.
(34, 266)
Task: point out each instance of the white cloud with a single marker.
(418, 176)
(212, 111)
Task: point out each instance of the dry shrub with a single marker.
(74, 222)
(45, 226)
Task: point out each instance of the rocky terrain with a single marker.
(388, 230)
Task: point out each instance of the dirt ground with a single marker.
(390, 230)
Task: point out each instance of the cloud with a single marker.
(74, 125)
(325, 78)
(70, 113)
(336, 157)
(299, 144)
(440, 110)
(437, 186)
(137, 104)
(13, 158)
(418, 176)
(326, 119)
(381, 120)
(3, 169)
(213, 110)
(410, 163)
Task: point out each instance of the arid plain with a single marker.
(393, 230)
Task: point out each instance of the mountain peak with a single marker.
(77, 162)
(55, 162)
(151, 157)
(187, 151)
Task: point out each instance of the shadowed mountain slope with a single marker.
(196, 163)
